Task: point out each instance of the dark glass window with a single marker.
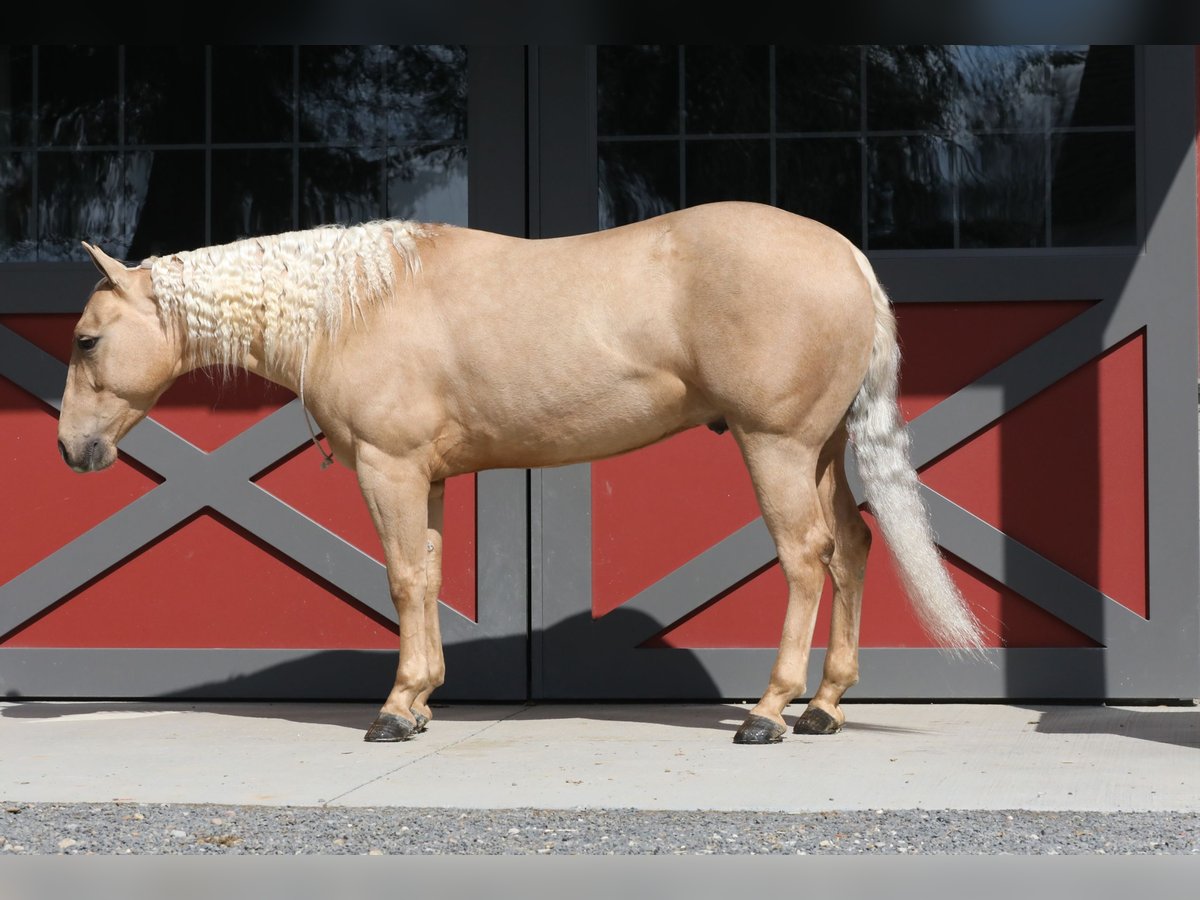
(165, 198)
(637, 90)
(164, 95)
(18, 236)
(16, 96)
(77, 96)
(147, 150)
(252, 98)
(897, 147)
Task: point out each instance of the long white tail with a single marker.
(881, 447)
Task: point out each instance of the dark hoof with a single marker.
(388, 727)
(816, 721)
(759, 730)
(422, 721)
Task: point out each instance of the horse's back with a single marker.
(611, 340)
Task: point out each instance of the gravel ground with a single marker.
(154, 829)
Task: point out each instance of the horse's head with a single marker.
(121, 362)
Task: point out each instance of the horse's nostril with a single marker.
(62, 451)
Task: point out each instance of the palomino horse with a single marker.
(426, 351)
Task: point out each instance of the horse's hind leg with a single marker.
(433, 587)
(851, 543)
(784, 472)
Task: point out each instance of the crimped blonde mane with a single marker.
(289, 288)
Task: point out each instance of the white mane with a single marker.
(288, 288)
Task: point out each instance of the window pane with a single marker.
(818, 88)
(77, 95)
(17, 241)
(1000, 88)
(252, 94)
(16, 96)
(638, 180)
(428, 184)
(341, 94)
(911, 88)
(637, 90)
(80, 197)
(165, 199)
(1094, 197)
(728, 170)
(252, 193)
(910, 193)
(822, 178)
(1091, 86)
(1002, 185)
(340, 186)
(727, 90)
(164, 95)
(427, 93)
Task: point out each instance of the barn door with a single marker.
(216, 558)
(1041, 252)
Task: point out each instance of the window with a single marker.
(931, 147)
(147, 150)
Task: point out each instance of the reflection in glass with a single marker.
(165, 201)
(1091, 86)
(911, 88)
(910, 192)
(637, 90)
(817, 88)
(341, 94)
(727, 90)
(340, 186)
(251, 94)
(1001, 87)
(1002, 191)
(16, 95)
(728, 170)
(426, 93)
(17, 241)
(77, 95)
(638, 180)
(822, 178)
(251, 193)
(80, 197)
(164, 95)
(1093, 190)
(428, 184)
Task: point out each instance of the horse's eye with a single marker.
(85, 343)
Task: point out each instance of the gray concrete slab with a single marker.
(651, 756)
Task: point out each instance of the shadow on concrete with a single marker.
(1165, 725)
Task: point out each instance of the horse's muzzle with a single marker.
(90, 458)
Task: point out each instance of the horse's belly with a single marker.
(589, 422)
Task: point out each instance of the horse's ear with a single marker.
(113, 270)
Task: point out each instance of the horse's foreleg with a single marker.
(397, 494)
(851, 543)
(784, 474)
(433, 587)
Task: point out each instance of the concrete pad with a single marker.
(646, 756)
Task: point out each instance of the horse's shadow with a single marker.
(339, 680)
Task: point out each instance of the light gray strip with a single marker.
(968, 277)
(901, 673)
(226, 674)
(31, 368)
(39, 287)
